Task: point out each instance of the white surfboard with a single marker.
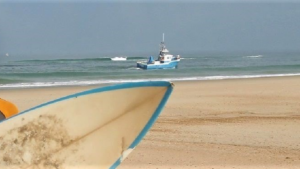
(93, 129)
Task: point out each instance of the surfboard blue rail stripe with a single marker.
(101, 89)
(149, 124)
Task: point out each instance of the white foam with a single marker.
(254, 56)
(96, 82)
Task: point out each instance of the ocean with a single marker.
(101, 70)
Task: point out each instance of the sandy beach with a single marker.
(221, 124)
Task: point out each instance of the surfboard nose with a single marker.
(97, 127)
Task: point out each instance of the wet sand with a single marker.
(221, 124)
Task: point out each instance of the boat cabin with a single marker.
(165, 58)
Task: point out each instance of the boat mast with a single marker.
(163, 49)
(162, 44)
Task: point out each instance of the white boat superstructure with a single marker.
(119, 58)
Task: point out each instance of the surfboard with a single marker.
(97, 128)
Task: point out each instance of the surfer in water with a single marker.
(7, 109)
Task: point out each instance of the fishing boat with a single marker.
(165, 60)
(119, 58)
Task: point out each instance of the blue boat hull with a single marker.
(169, 65)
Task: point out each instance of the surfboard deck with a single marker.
(93, 129)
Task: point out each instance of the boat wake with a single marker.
(254, 56)
(187, 58)
(133, 68)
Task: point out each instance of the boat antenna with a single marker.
(162, 44)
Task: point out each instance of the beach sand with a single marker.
(221, 124)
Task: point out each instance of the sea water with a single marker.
(101, 70)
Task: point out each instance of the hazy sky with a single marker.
(72, 29)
